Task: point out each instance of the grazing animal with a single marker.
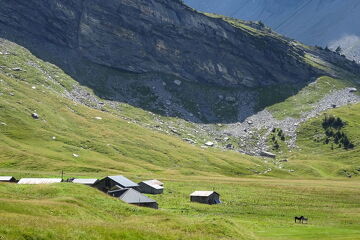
(299, 219)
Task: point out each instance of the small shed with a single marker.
(39, 180)
(115, 182)
(86, 181)
(7, 179)
(207, 197)
(132, 196)
(151, 187)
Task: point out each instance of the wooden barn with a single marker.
(7, 179)
(207, 197)
(151, 187)
(114, 182)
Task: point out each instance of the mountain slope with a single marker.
(314, 22)
(106, 136)
(164, 57)
(115, 144)
(166, 37)
(72, 137)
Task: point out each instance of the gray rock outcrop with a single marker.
(158, 36)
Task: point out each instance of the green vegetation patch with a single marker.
(304, 100)
(320, 158)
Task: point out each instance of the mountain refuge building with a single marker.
(206, 197)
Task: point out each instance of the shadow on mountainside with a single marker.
(159, 93)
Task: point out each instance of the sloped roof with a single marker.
(87, 181)
(39, 180)
(153, 184)
(6, 178)
(203, 193)
(133, 196)
(154, 181)
(123, 181)
(117, 192)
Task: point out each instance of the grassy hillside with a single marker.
(78, 139)
(304, 100)
(83, 141)
(328, 158)
(94, 142)
(252, 209)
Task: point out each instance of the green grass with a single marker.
(317, 157)
(109, 145)
(304, 100)
(251, 209)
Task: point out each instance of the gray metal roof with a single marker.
(39, 180)
(123, 181)
(202, 193)
(153, 184)
(6, 178)
(133, 196)
(118, 192)
(87, 181)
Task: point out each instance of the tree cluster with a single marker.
(332, 126)
(276, 136)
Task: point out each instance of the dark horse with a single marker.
(301, 219)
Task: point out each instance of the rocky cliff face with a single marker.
(158, 54)
(314, 22)
(158, 36)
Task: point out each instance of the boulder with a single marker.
(35, 116)
(230, 99)
(267, 154)
(229, 146)
(189, 140)
(352, 90)
(209, 144)
(177, 82)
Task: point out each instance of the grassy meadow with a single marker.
(251, 209)
(88, 142)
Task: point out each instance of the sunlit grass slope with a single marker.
(71, 137)
(251, 209)
(329, 159)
